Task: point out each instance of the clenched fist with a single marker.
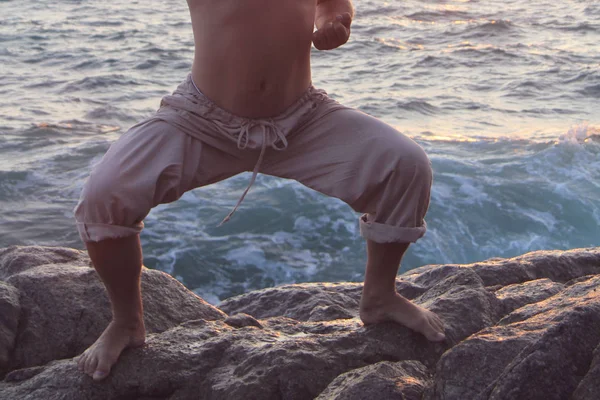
(333, 34)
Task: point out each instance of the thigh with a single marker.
(153, 163)
(346, 154)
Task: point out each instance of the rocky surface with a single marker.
(521, 328)
(405, 380)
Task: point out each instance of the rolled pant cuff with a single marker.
(382, 233)
(94, 232)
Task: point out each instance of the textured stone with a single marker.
(16, 259)
(302, 302)
(10, 309)
(519, 294)
(309, 301)
(523, 328)
(212, 360)
(589, 387)
(241, 320)
(64, 306)
(540, 351)
(558, 266)
(463, 304)
(404, 380)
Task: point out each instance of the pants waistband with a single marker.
(240, 128)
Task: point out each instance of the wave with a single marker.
(442, 15)
(592, 9)
(578, 27)
(421, 107)
(591, 91)
(487, 29)
(92, 83)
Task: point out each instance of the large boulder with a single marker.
(524, 328)
(558, 266)
(61, 307)
(16, 259)
(541, 350)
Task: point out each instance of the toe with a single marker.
(81, 362)
(91, 359)
(439, 337)
(91, 366)
(437, 323)
(100, 375)
(102, 371)
(433, 334)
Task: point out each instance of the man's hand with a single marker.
(333, 34)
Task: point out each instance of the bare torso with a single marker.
(252, 57)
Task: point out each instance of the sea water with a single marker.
(503, 96)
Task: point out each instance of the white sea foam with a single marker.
(578, 133)
(250, 254)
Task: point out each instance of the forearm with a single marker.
(327, 10)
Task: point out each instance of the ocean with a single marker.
(504, 97)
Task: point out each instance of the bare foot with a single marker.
(395, 308)
(99, 358)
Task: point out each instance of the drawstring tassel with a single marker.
(254, 174)
(242, 143)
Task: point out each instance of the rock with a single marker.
(540, 351)
(10, 309)
(558, 266)
(64, 306)
(404, 380)
(241, 320)
(463, 304)
(16, 259)
(212, 360)
(589, 386)
(506, 322)
(520, 294)
(302, 302)
(308, 301)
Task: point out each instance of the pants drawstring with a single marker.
(242, 143)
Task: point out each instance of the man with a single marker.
(249, 105)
